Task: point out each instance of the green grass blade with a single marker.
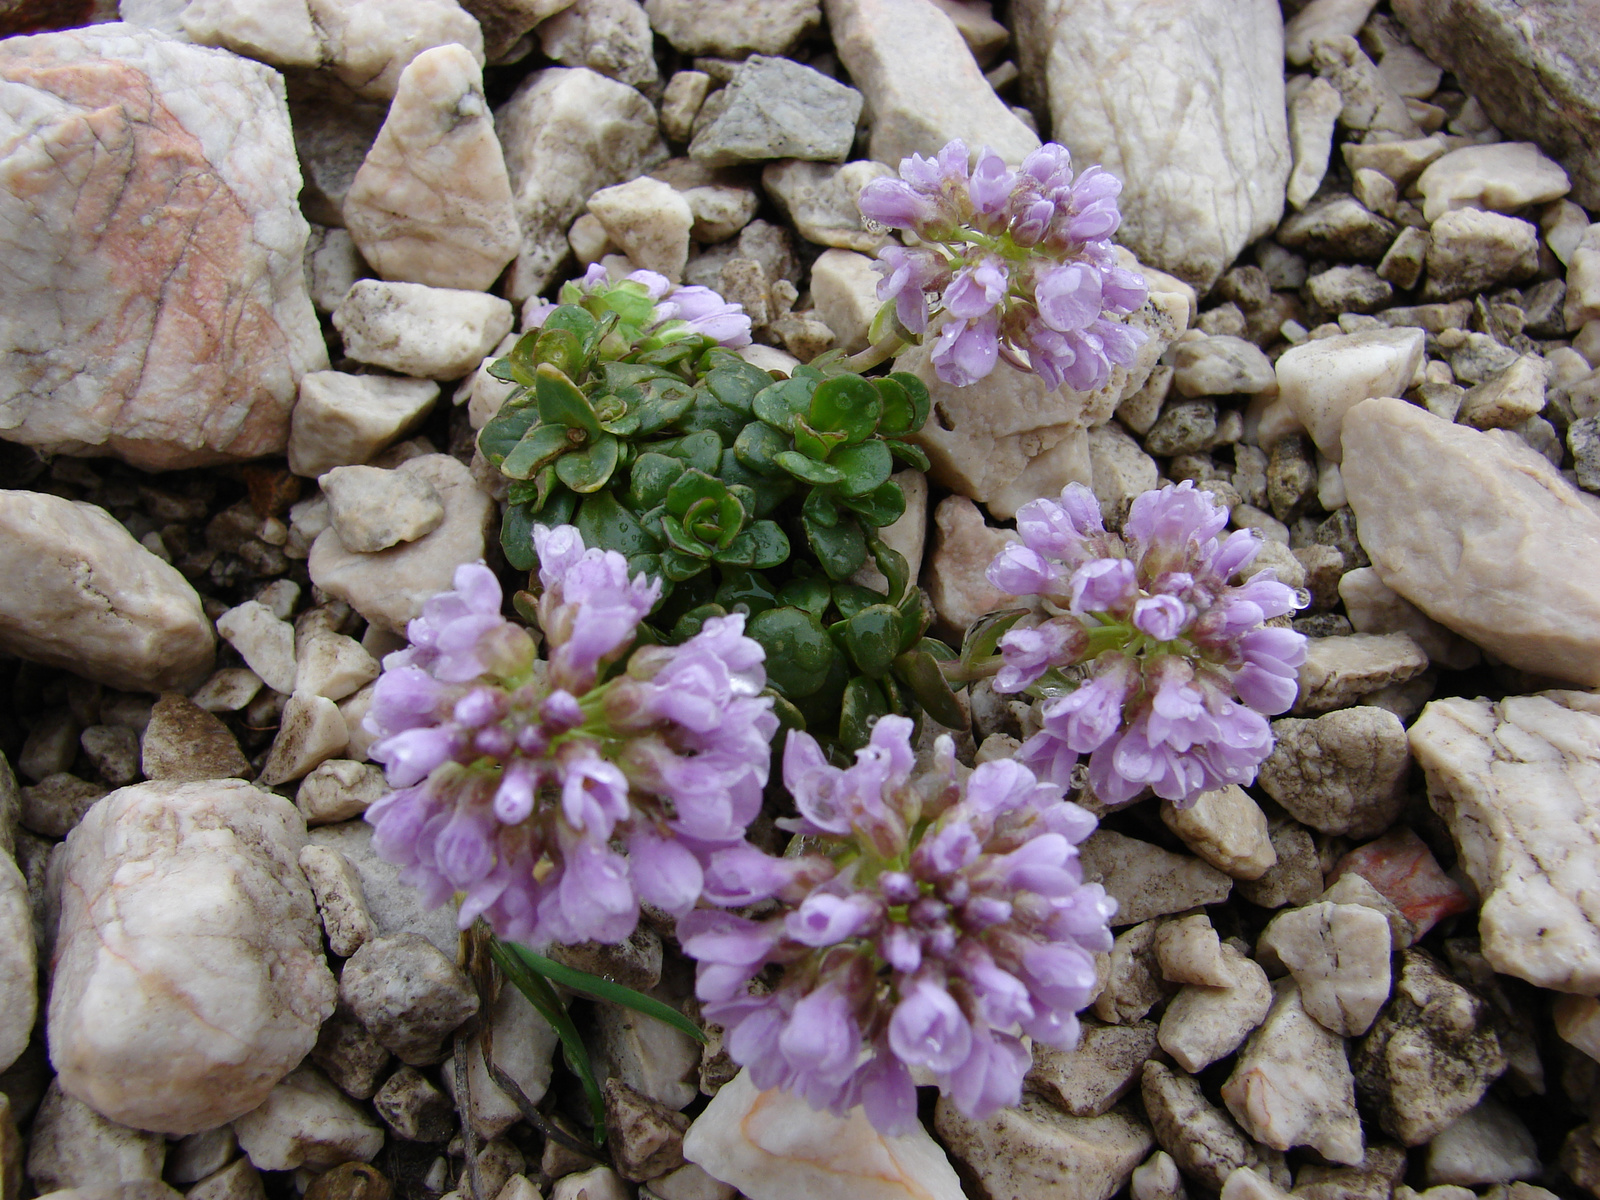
(597, 988)
(542, 996)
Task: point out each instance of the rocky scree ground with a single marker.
(239, 454)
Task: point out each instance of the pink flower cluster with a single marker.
(516, 777)
(1179, 671)
(939, 922)
(1021, 262)
(678, 307)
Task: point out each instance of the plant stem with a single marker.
(880, 351)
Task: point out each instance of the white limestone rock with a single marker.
(78, 592)
(733, 28)
(373, 509)
(1226, 828)
(395, 907)
(650, 221)
(337, 889)
(1203, 1023)
(1471, 251)
(1479, 532)
(650, 1056)
(773, 1145)
(1313, 113)
(73, 1146)
(157, 297)
(1339, 670)
(1512, 779)
(431, 203)
(921, 83)
(1088, 1079)
(1292, 1084)
(310, 731)
(332, 665)
(1219, 365)
(428, 332)
(389, 587)
(307, 1122)
(1339, 955)
(332, 264)
(524, 1046)
(339, 789)
(608, 36)
(1323, 19)
(820, 198)
(1503, 177)
(567, 133)
(19, 978)
(844, 289)
(1147, 881)
(964, 546)
(1374, 607)
(1487, 1144)
(264, 640)
(1037, 1151)
(170, 1015)
(343, 420)
(1185, 104)
(1322, 380)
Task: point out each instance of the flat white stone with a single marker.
(1374, 607)
(166, 1013)
(921, 83)
(19, 971)
(339, 789)
(432, 333)
(389, 587)
(311, 731)
(1226, 828)
(432, 202)
(1185, 104)
(774, 1146)
(524, 1045)
(396, 907)
(373, 508)
(1323, 19)
(79, 593)
(650, 221)
(307, 1122)
(264, 640)
(820, 198)
(1322, 380)
(1481, 533)
(567, 133)
(157, 300)
(1513, 781)
(733, 28)
(337, 889)
(332, 665)
(963, 548)
(1487, 1144)
(1313, 113)
(1339, 955)
(844, 289)
(1037, 1151)
(71, 1146)
(1292, 1086)
(1503, 177)
(1204, 1024)
(227, 690)
(1339, 670)
(1219, 365)
(1147, 881)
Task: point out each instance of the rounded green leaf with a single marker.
(747, 592)
(771, 545)
(917, 393)
(799, 652)
(809, 470)
(883, 505)
(652, 477)
(507, 427)
(561, 348)
(841, 550)
(736, 383)
(779, 404)
(701, 450)
(920, 671)
(758, 446)
(589, 469)
(846, 404)
(873, 636)
(561, 403)
(911, 455)
(605, 523)
(898, 413)
(864, 703)
(811, 593)
(540, 445)
(690, 487)
(864, 467)
(516, 537)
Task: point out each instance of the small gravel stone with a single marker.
(185, 742)
(373, 509)
(1204, 1024)
(1295, 876)
(646, 1136)
(650, 221)
(1343, 773)
(339, 789)
(427, 332)
(408, 994)
(307, 1122)
(1339, 955)
(1220, 366)
(343, 420)
(1338, 228)
(114, 752)
(1486, 1145)
(1226, 828)
(1337, 670)
(264, 640)
(1473, 251)
(778, 108)
(1349, 289)
(338, 891)
(312, 730)
(1133, 982)
(1201, 1138)
(415, 1109)
(1183, 428)
(1147, 881)
(1508, 398)
(71, 1146)
(1089, 1080)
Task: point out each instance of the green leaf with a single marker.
(864, 467)
(892, 565)
(717, 522)
(702, 450)
(758, 446)
(841, 550)
(821, 708)
(799, 651)
(771, 545)
(819, 506)
(917, 615)
(864, 703)
(746, 591)
(846, 404)
(589, 469)
(542, 444)
(561, 403)
(851, 598)
(809, 470)
(573, 319)
(605, 523)
(911, 455)
(516, 537)
(691, 622)
(678, 566)
(873, 638)
(780, 403)
(706, 412)
(691, 486)
(920, 670)
(898, 411)
(651, 478)
(561, 349)
(917, 392)
(813, 444)
(507, 427)
(558, 511)
(789, 716)
(883, 505)
(984, 634)
(523, 361)
(683, 541)
(811, 593)
(509, 957)
(675, 351)
(736, 384)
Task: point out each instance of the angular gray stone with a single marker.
(158, 303)
(1035, 1150)
(373, 509)
(1535, 70)
(342, 420)
(1343, 773)
(408, 994)
(1088, 1080)
(1480, 533)
(608, 36)
(778, 108)
(1472, 251)
(1200, 1137)
(921, 83)
(1339, 955)
(733, 28)
(1184, 104)
(78, 592)
(1147, 881)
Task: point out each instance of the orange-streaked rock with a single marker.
(153, 284)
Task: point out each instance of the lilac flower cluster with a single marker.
(515, 775)
(677, 310)
(1179, 671)
(939, 922)
(1021, 261)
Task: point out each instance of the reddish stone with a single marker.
(1400, 865)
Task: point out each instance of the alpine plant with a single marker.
(1175, 671)
(935, 920)
(1020, 262)
(554, 800)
